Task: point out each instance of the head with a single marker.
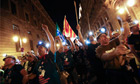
(30, 56)
(91, 38)
(75, 41)
(116, 34)
(9, 60)
(103, 39)
(76, 47)
(134, 29)
(41, 48)
(66, 47)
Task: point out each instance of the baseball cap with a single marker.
(9, 56)
(41, 43)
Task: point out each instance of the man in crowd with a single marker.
(134, 41)
(96, 67)
(14, 74)
(46, 70)
(111, 53)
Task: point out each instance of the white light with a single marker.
(47, 45)
(103, 30)
(15, 38)
(24, 40)
(90, 33)
(121, 10)
(117, 7)
(57, 45)
(4, 55)
(130, 3)
(121, 29)
(95, 39)
(87, 42)
(63, 43)
(40, 42)
(136, 21)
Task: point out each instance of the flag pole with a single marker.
(76, 12)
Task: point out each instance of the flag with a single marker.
(58, 33)
(67, 30)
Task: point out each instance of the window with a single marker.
(101, 20)
(27, 17)
(4, 4)
(33, 7)
(111, 26)
(31, 45)
(35, 22)
(17, 32)
(13, 8)
(38, 36)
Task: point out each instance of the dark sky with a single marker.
(57, 9)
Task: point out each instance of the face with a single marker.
(30, 58)
(135, 29)
(104, 39)
(41, 50)
(9, 61)
(91, 38)
(76, 47)
(66, 48)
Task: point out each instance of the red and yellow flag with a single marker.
(67, 30)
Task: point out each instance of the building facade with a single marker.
(104, 13)
(22, 18)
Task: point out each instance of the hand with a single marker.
(68, 38)
(78, 27)
(121, 50)
(57, 38)
(45, 27)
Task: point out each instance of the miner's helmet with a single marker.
(9, 56)
(43, 43)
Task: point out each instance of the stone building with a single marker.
(103, 13)
(22, 18)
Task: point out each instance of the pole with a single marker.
(76, 12)
(88, 21)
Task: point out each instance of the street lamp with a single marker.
(130, 3)
(15, 38)
(121, 10)
(24, 40)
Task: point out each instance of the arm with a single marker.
(50, 37)
(31, 76)
(71, 43)
(25, 77)
(80, 35)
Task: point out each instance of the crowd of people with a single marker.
(109, 60)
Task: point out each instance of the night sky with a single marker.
(57, 9)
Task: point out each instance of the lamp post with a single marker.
(24, 40)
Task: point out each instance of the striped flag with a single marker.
(58, 33)
(67, 30)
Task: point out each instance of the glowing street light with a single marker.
(47, 45)
(57, 45)
(24, 40)
(90, 33)
(121, 11)
(102, 30)
(4, 55)
(15, 38)
(130, 3)
(136, 21)
(63, 43)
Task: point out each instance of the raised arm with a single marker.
(80, 34)
(50, 37)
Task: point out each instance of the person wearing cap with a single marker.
(112, 53)
(32, 61)
(15, 73)
(96, 67)
(134, 40)
(45, 70)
